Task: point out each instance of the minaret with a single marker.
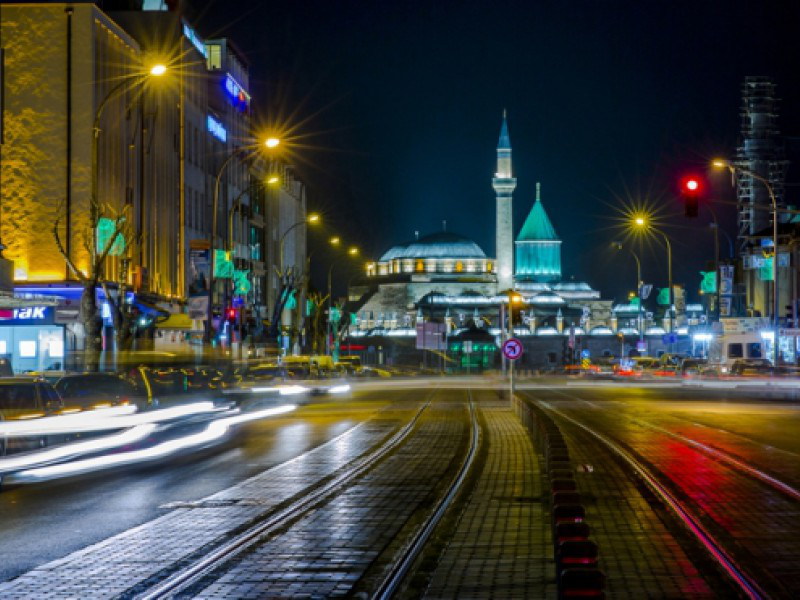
(504, 184)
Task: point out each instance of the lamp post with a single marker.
(157, 70)
(312, 218)
(641, 223)
(726, 164)
(354, 252)
(639, 284)
(209, 334)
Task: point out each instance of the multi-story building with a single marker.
(65, 67)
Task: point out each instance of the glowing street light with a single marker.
(313, 218)
(158, 70)
(353, 251)
(335, 240)
(641, 223)
(273, 180)
(272, 142)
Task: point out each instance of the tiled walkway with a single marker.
(502, 546)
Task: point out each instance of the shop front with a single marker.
(31, 340)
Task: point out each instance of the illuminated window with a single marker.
(489, 267)
(56, 349)
(27, 349)
(459, 267)
(214, 56)
(420, 266)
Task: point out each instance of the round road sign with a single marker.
(512, 349)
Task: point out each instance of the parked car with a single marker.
(95, 390)
(692, 367)
(751, 367)
(24, 398)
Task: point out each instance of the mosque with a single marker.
(448, 278)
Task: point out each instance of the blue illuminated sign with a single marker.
(190, 35)
(236, 92)
(216, 129)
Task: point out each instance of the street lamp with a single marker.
(156, 70)
(641, 223)
(311, 219)
(214, 211)
(726, 164)
(351, 251)
(639, 283)
(272, 142)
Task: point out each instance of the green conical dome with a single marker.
(537, 226)
(538, 247)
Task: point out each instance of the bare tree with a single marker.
(90, 315)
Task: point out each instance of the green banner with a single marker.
(765, 271)
(708, 285)
(240, 282)
(663, 296)
(223, 266)
(105, 229)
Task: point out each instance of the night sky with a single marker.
(397, 109)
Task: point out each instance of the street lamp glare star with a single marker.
(353, 251)
(273, 179)
(158, 70)
(639, 221)
(720, 163)
(313, 218)
(272, 142)
(335, 241)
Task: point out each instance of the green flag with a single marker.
(223, 266)
(105, 229)
(240, 281)
(765, 272)
(708, 285)
(663, 296)
(291, 302)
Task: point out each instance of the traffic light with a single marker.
(231, 313)
(690, 190)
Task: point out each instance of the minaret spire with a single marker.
(538, 191)
(504, 184)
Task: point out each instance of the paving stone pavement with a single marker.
(637, 553)
(502, 546)
(114, 565)
(763, 524)
(325, 553)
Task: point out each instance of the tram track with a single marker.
(724, 557)
(400, 570)
(188, 576)
(733, 461)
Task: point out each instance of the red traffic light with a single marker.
(231, 313)
(690, 190)
(691, 185)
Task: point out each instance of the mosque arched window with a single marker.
(459, 267)
(489, 267)
(420, 266)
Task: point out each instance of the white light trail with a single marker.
(101, 420)
(213, 432)
(43, 457)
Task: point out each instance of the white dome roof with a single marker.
(437, 245)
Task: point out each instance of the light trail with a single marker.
(213, 432)
(43, 457)
(101, 420)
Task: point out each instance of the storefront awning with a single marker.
(176, 321)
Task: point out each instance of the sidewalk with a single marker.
(502, 546)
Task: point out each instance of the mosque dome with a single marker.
(436, 245)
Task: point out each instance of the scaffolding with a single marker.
(762, 153)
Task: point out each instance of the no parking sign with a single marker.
(512, 349)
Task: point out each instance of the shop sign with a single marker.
(30, 315)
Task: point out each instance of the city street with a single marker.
(337, 491)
